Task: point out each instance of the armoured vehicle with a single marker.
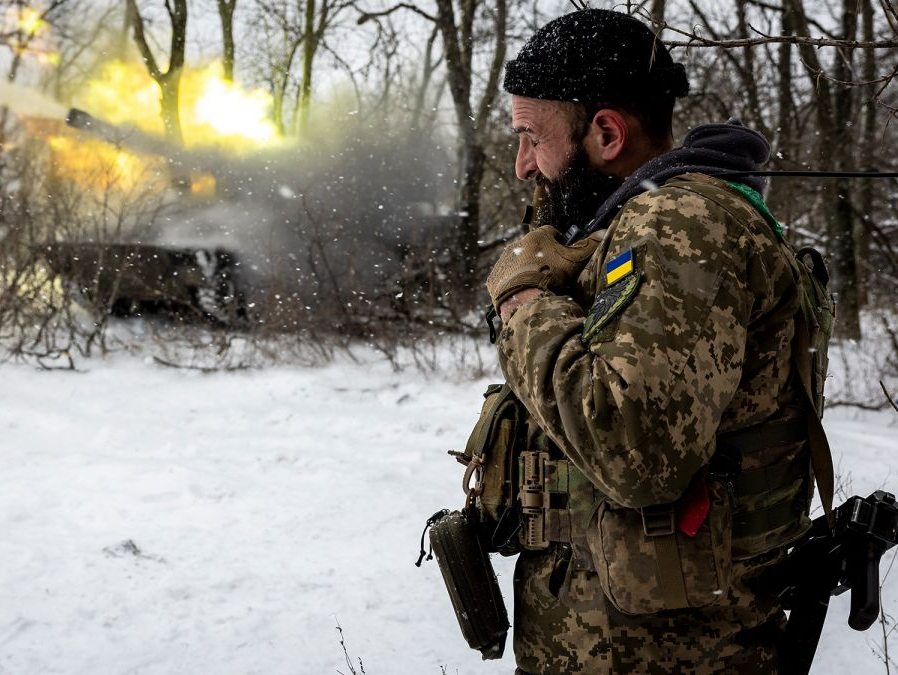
(280, 232)
(135, 279)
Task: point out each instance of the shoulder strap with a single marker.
(821, 455)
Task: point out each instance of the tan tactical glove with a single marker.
(538, 260)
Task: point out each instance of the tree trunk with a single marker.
(784, 146)
(170, 81)
(281, 80)
(867, 154)
(226, 14)
(785, 113)
(833, 117)
(458, 47)
(841, 211)
(426, 78)
(473, 165)
(277, 109)
(122, 47)
(170, 102)
(657, 11)
(308, 56)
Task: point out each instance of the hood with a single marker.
(708, 149)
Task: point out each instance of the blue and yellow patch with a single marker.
(620, 267)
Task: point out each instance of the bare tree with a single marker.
(83, 39)
(21, 36)
(226, 15)
(456, 25)
(169, 81)
(295, 33)
(20, 39)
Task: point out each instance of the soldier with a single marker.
(656, 358)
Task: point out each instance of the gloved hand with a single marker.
(538, 260)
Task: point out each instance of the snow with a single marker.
(157, 520)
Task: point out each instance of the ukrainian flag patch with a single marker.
(620, 267)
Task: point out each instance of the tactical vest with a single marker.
(528, 496)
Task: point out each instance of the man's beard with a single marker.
(575, 196)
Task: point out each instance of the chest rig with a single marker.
(519, 487)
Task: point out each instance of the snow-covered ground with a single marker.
(155, 520)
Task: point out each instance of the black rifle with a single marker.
(829, 561)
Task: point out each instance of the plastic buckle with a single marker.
(658, 521)
(533, 498)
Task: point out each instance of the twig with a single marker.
(346, 656)
(856, 404)
(202, 369)
(888, 396)
(367, 16)
(695, 40)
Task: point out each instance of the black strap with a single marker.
(807, 174)
(764, 435)
(490, 316)
(430, 521)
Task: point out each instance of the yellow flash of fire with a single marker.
(99, 165)
(213, 112)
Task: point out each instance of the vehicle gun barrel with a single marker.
(132, 139)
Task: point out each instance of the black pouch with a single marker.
(471, 582)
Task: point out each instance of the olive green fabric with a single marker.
(489, 458)
(646, 572)
(702, 348)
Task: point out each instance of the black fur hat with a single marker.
(595, 55)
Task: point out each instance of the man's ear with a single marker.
(608, 134)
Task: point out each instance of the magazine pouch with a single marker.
(670, 556)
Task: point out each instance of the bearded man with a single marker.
(649, 323)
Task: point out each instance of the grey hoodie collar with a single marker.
(708, 149)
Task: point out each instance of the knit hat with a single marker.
(595, 55)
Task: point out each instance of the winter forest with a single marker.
(243, 246)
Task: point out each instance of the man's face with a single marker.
(544, 138)
(551, 152)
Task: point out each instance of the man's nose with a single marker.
(525, 164)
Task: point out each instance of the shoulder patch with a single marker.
(610, 301)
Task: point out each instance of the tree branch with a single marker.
(366, 16)
(141, 39)
(492, 85)
(696, 40)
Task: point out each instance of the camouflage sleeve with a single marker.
(637, 404)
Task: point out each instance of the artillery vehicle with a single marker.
(282, 231)
(136, 279)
